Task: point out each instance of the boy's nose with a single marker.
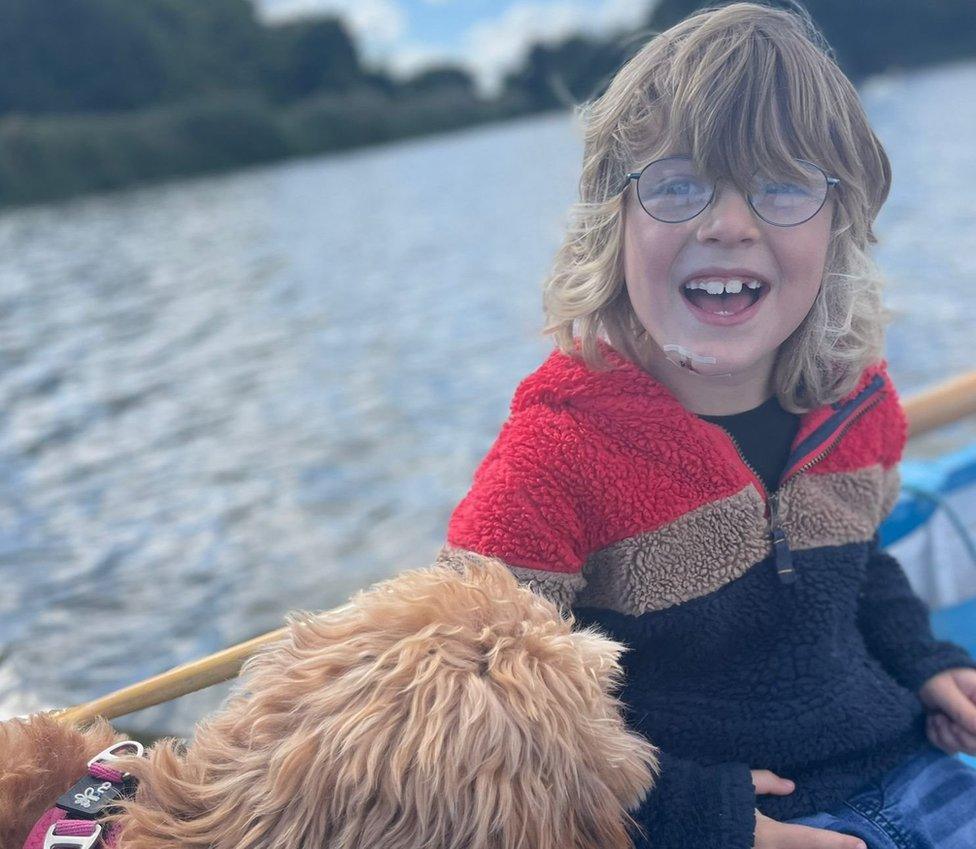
(728, 217)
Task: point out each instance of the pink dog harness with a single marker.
(72, 822)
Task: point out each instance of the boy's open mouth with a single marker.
(726, 297)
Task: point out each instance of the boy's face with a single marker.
(659, 257)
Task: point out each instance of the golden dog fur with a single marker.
(447, 707)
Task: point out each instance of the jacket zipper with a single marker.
(781, 545)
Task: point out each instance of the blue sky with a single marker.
(487, 37)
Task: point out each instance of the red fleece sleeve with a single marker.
(523, 503)
(896, 425)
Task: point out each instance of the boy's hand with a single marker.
(771, 834)
(951, 698)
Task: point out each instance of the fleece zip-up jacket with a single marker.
(766, 630)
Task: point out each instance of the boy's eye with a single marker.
(784, 188)
(679, 187)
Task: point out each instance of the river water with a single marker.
(225, 398)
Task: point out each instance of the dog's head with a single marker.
(441, 708)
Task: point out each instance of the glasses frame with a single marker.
(635, 175)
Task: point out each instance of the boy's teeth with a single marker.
(716, 287)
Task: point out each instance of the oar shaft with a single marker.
(942, 404)
(187, 678)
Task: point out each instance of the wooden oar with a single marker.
(178, 681)
(941, 404)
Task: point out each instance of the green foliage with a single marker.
(45, 157)
(332, 122)
(49, 157)
(870, 36)
(74, 55)
(443, 78)
(106, 55)
(309, 56)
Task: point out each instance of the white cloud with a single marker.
(376, 25)
(492, 47)
(495, 46)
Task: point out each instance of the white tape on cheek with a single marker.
(682, 357)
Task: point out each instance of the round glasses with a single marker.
(672, 190)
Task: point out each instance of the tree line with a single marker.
(69, 56)
(96, 94)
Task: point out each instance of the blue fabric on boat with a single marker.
(957, 623)
(942, 475)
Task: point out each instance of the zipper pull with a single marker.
(781, 546)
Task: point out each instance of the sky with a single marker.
(488, 37)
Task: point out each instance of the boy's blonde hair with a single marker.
(737, 87)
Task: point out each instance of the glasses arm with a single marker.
(633, 175)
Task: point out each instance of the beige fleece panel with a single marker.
(559, 587)
(837, 508)
(891, 489)
(705, 549)
(695, 554)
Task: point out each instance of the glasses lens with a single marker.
(672, 190)
(790, 199)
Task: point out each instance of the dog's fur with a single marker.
(443, 708)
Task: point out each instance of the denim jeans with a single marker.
(928, 802)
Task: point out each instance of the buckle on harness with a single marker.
(91, 795)
(71, 841)
(110, 754)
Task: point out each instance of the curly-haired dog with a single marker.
(447, 708)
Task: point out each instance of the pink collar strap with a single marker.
(72, 822)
